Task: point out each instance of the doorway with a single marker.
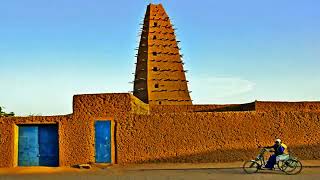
(38, 145)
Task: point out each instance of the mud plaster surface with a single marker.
(144, 136)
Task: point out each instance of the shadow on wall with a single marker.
(304, 152)
(154, 109)
(232, 107)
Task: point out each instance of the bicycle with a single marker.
(289, 165)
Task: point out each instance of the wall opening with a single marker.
(38, 145)
(155, 69)
(154, 53)
(104, 146)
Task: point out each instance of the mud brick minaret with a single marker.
(160, 78)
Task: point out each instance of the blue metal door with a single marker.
(28, 146)
(38, 145)
(48, 145)
(103, 141)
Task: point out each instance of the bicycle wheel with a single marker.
(280, 165)
(291, 167)
(250, 167)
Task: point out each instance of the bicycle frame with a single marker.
(260, 158)
(290, 165)
(261, 161)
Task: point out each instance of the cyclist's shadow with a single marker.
(240, 171)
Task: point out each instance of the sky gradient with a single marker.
(235, 51)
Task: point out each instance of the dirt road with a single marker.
(155, 174)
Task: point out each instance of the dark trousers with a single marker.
(271, 161)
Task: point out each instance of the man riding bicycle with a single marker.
(280, 153)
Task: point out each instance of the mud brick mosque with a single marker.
(158, 122)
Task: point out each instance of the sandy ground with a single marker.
(156, 172)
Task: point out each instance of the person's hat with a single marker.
(278, 141)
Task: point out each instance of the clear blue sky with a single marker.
(235, 51)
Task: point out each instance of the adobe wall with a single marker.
(201, 108)
(67, 146)
(113, 106)
(215, 137)
(107, 105)
(287, 106)
(260, 106)
(76, 131)
(145, 134)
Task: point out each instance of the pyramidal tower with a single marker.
(159, 77)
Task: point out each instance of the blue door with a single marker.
(103, 141)
(38, 145)
(28, 146)
(48, 145)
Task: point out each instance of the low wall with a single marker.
(201, 108)
(76, 131)
(287, 106)
(199, 133)
(260, 106)
(70, 138)
(215, 137)
(108, 104)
